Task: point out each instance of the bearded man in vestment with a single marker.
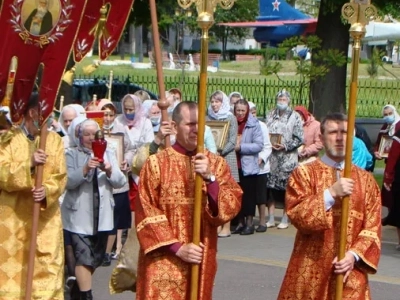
(313, 203)
(164, 213)
(40, 20)
(19, 157)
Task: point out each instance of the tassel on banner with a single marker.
(91, 68)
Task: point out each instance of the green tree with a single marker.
(329, 92)
(308, 7)
(242, 10)
(305, 69)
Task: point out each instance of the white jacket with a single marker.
(266, 151)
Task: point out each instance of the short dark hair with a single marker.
(33, 102)
(176, 114)
(336, 117)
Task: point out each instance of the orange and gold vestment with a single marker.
(164, 216)
(310, 272)
(16, 206)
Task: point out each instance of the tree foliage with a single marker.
(329, 93)
(306, 71)
(243, 10)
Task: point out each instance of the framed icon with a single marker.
(115, 142)
(384, 146)
(219, 130)
(275, 138)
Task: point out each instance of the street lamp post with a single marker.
(205, 10)
(357, 13)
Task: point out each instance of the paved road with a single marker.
(252, 267)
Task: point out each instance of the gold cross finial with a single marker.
(225, 4)
(359, 11)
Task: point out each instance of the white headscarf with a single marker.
(251, 105)
(235, 94)
(391, 129)
(147, 105)
(79, 131)
(224, 111)
(73, 130)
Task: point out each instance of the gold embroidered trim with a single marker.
(357, 215)
(370, 234)
(150, 220)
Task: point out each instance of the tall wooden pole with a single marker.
(205, 19)
(358, 13)
(35, 218)
(162, 101)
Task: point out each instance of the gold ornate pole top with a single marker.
(225, 4)
(358, 13)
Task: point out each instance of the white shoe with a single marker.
(270, 224)
(283, 225)
(398, 247)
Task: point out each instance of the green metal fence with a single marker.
(372, 95)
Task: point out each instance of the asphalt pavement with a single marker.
(252, 267)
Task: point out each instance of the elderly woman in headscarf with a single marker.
(263, 160)
(249, 144)
(122, 214)
(286, 124)
(233, 98)
(219, 110)
(391, 118)
(392, 124)
(153, 112)
(70, 282)
(139, 130)
(87, 209)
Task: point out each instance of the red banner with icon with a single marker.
(35, 33)
(105, 20)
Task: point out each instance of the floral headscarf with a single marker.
(224, 111)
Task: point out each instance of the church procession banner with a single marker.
(36, 32)
(43, 32)
(105, 20)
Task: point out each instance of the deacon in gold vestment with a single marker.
(313, 203)
(16, 206)
(164, 214)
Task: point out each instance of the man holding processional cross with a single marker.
(335, 205)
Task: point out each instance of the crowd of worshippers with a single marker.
(261, 155)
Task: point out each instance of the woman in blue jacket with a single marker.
(249, 144)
